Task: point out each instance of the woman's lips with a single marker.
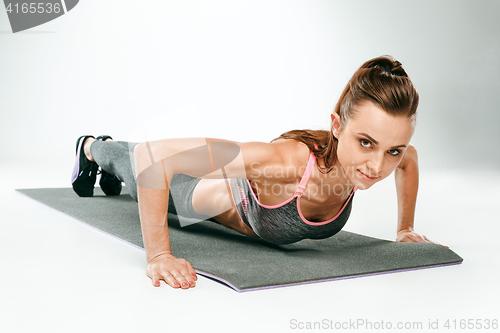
(365, 177)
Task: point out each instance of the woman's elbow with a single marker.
(410, 158)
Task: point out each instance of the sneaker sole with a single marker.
(76, 168)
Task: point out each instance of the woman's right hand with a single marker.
(176, 272)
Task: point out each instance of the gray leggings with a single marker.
(117, 158)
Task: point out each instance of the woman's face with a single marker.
(371, 145)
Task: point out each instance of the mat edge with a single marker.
(346, 277)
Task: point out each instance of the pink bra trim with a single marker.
(327, 221)
(298, 193)
(306, 175)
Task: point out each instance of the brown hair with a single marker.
(382, 81)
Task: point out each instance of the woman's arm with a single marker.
(156, 163)
(406, 175)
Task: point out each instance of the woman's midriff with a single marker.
(210, 193)
(231, 219)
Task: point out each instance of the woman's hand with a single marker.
(410, 236)
(176, 272)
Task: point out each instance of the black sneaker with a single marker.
(84, 172)
(110, 184)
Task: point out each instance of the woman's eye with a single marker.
(365, 143)
(394, 152)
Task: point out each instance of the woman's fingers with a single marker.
(181, 280)
(155, 279)
(191, 271)
(426, 239)
(410, 237)
(430, 241)
(186, 278)
(177, 273)
(413, 237)
(171, 281)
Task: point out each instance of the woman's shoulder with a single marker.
(270, 160)
(297, 152)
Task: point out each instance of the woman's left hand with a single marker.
(410, 236)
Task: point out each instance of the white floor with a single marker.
(60, 275)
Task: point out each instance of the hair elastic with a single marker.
(387, 69)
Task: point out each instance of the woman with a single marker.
(300, 185)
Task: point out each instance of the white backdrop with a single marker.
(246, 71)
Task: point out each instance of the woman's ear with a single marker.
(335, 124)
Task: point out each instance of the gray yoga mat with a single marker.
(244, 263)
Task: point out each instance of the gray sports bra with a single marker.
(284, 223)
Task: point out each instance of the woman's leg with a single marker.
(115, 157)
(202, 199)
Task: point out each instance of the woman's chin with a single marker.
(363, 182)
(354, 177)
(363, 185)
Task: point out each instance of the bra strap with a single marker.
(307, 174)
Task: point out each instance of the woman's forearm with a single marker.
(406, 176)
(153, 208)
(152, 193)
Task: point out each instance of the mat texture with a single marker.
(244, 263)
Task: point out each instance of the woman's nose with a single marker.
(376, 165)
